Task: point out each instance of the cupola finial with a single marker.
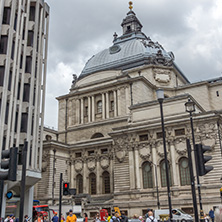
(130, 5)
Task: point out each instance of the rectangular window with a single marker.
(143, 137)
(3, 44)
(9, 81)
(112, 106)
(24, 122)
(2, 74)
(15, 22)
(78, 155)
(91, 153)
(30, 38)
(32, 13)
(179, 132)
(28, 66)
(6, 113)
(13, 50)
(6, 16)
(16, 121)
(104, 151)
(26, 92)
(159, 135)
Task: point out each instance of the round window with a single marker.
(184, 163)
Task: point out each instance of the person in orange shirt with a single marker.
(71, 217)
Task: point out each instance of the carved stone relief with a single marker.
(78, 165)
(144, 151)
(180, 146)
(91, 163)
(160, 150)
(104, 162)
(162, 75)
(45, 160)
(120, 155)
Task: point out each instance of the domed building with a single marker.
(109, 143)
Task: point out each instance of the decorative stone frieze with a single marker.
(104, 162)
(78, 165)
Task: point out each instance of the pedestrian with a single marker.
(123, 218)
(97, 219)
(55, 217)
(150, 217)
(218, 214)
(71, 217)
(141, 218)
(211, 215)
(7, 218)
(85, 217)
(135, 218)
(62, 218)
(40, 218)
(206, 218)
(11, 218)
(146, 215)
(113, 218)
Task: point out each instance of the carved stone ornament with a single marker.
(162, 75)
(160, 149)
(78, 165)
(180, 146)
(45, 160)
(104, 162)
(122, 142)
(120, 155)
(91, 163)
(209, 142)
(144, 151)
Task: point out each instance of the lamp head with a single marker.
(160, 94)
(190, 106)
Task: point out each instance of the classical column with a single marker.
(127, 94)
(103, 106)
(98, 177)
(111, 175)
(174, 173)
(138, 184)
(154, 160)
(89, 109)
(93, 108)
(107, 105)
(82, 111)
(118, 102)
(131, 170)
(115, 103)
(72, 174)
(78, 111)
(85, 178)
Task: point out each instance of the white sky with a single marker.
(191, 29)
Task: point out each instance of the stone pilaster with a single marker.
(93, 108)
(89, 109)
(82, 112)
(107, 105)
(115, 103)
(103, 106)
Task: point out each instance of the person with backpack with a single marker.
(150, 217)
(115, 217)
(123, 217)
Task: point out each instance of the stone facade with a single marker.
(109, 135)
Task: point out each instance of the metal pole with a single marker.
(192, 180)
(53, 178)
(157, 191)
(22, 186)
(1, 196)
(165, 157)
(60, 198)
(197, 172)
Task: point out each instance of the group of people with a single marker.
(10, 218)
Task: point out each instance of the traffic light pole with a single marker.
(60, 198)
(192, 181)
(197, 173)
(1, 196)
(22, 195)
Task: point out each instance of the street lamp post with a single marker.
(190, 108)
(157, 189)
(160, 97)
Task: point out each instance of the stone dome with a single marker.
(130, 50)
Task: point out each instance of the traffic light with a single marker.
(9, 164)
(202, 159)
(221, 192)
(65, 189)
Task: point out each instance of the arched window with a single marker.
(147, 175)
(184, 171)
(163, 173)
(92, 183)
(106, 182)
(79, 183)
(99, 106)
(97, 135)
